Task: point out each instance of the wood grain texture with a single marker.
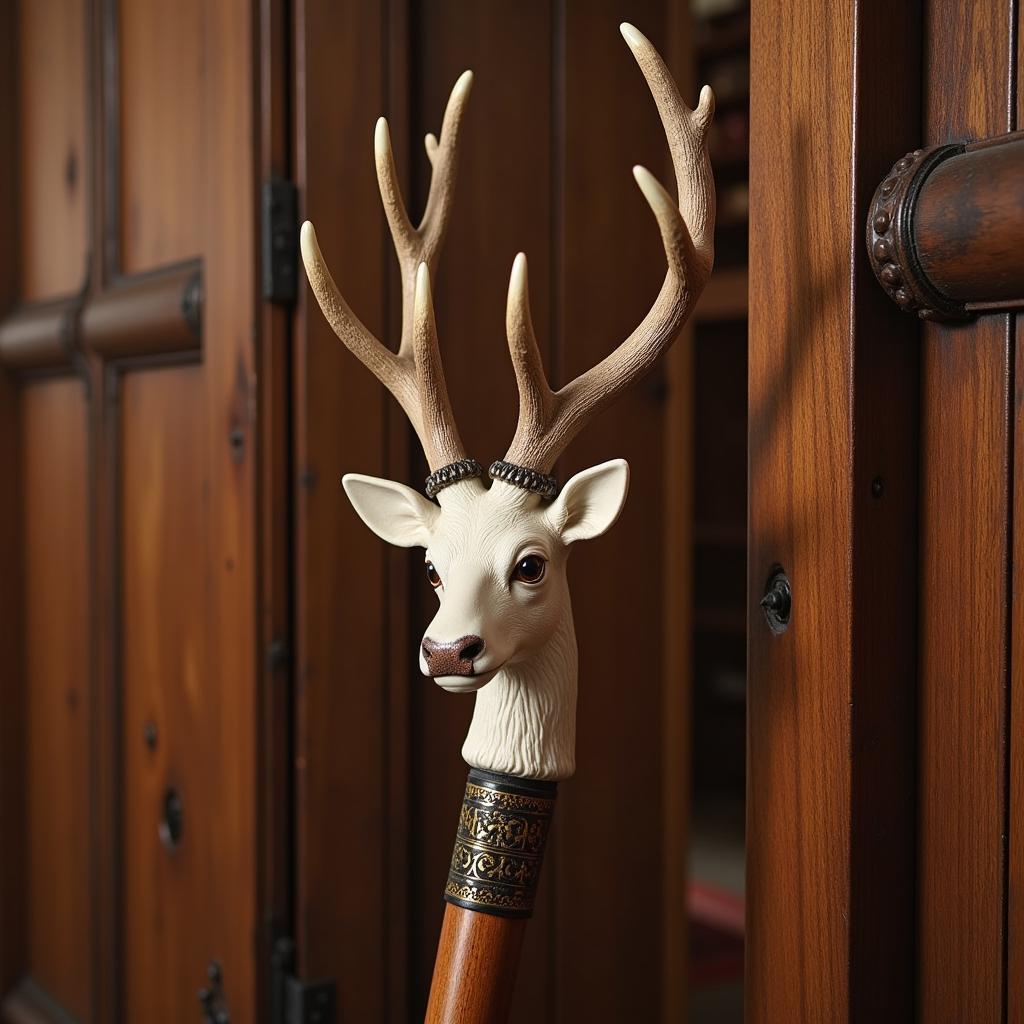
(964, 563)
(341, 640)
(274, 501)
(58, 690)
(53, 155)
(13, 907)
(832, 379)
(165, 164)
(475, 972)
(173, 917)
(1015, 753)
(1015, 739)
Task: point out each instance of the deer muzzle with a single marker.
(454, 658)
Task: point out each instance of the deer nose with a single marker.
(454, 658)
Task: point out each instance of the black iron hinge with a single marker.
(295, 1001)
(280, 243)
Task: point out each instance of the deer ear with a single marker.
(590, 502)
(394, 512)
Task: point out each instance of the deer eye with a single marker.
(530, 569)
(432, 575)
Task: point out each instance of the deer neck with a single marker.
(524, 722)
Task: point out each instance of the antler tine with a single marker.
(421, 245)
(438, 421)
(413, 374)
(548, 420)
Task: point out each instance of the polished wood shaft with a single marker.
(475, 970)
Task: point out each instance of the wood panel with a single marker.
(1015, 739)
(832, 384)
(12, 723)
(58, 688)
(179, 904)
(164, 68)
(609, 934)
(53, 154)
(964, 551)
(1015, 742)
(341, 668)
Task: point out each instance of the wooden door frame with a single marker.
(834, 374)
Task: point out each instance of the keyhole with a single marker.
(172, 823)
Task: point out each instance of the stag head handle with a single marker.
(496, 556)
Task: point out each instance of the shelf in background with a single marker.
(724, 296)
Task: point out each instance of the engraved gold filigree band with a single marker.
(499, 845)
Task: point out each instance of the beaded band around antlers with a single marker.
(528, 479)
(464, 469)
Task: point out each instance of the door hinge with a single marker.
(295, 1001)
(280, 243)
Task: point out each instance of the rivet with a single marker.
(887, 186)
(890, 274)
(902, 296)
(882, 222)
(883, 251)
(903, 164)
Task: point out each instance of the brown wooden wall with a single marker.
(884, 812)
(129, 398)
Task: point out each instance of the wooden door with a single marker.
(884, 812)
(132, 807)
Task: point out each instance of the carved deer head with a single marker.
(496, 555)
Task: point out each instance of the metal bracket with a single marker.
(294, 1001)
(279, 259)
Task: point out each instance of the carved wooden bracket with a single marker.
(945, 228)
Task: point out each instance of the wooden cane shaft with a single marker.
(475, 969)
(495, 866)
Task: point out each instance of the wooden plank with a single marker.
(172, 917)
(58, 695)
(164, 165)
(1015, 740)
(341, 668)
(228, 205)
(13, 918)
(274, 765)
(830, 711)
(1015, 842)
(609, 957)
(52, 154)
(964, 551)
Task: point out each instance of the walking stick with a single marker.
(496, 555)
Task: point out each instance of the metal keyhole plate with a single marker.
(778, 601)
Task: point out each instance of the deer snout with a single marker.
(454, 658)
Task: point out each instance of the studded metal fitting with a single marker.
(444, 477)
(527, 479)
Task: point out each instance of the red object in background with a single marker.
(716, 934)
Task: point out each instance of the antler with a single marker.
(414, 375)
(549, 420)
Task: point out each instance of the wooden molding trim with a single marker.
(151, 314)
